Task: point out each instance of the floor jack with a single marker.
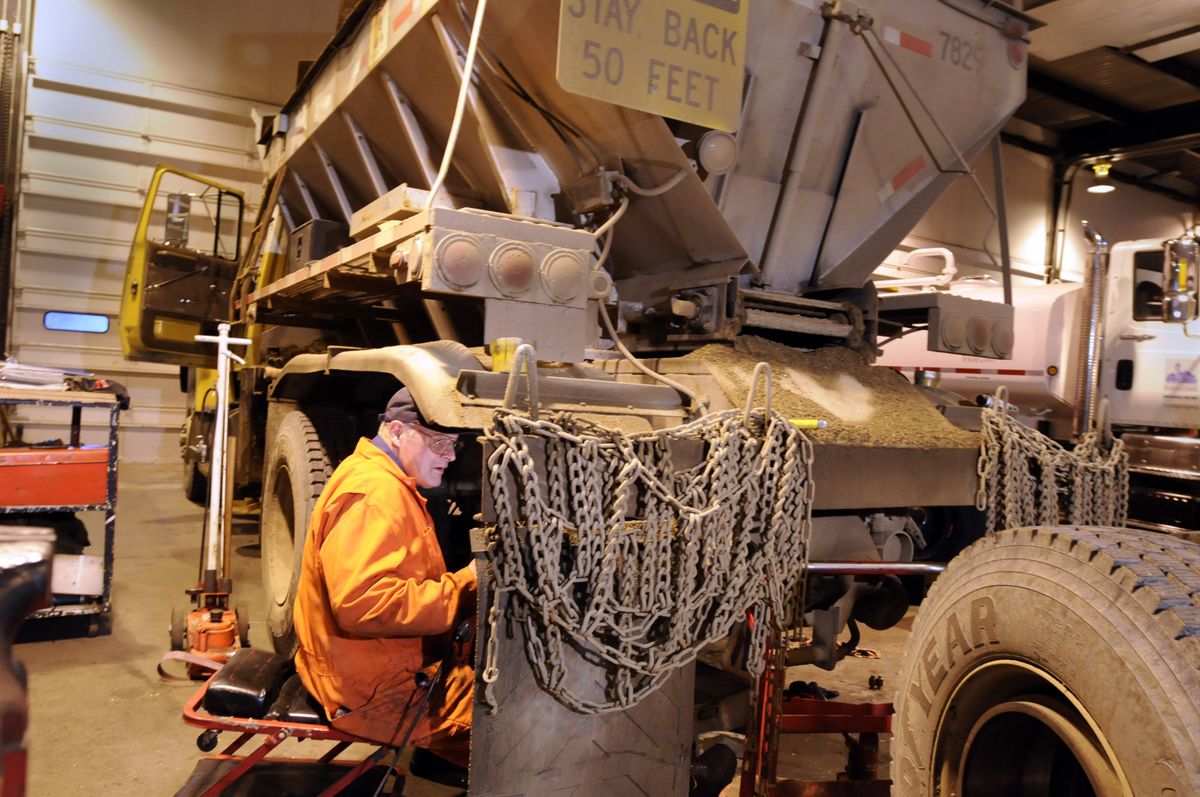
(205, 636)
(777, 713)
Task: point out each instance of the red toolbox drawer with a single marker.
(54, 476)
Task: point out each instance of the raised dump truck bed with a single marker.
(826, 172)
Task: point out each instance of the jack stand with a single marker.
(775, 714)
(210, 630)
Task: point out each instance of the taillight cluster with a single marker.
(525, 270)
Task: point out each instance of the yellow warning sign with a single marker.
(684, 59)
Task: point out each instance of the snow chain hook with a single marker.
(523, 358)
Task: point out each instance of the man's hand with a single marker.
(472, 568)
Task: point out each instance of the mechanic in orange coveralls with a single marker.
(375, 603)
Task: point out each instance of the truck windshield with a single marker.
(1147, 287)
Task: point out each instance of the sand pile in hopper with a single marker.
(864, 404)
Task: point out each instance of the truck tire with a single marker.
(195, 481)
(1055, 661)
(178, 628)
(306, 449)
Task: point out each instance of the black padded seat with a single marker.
(248, 684)
(295, 704)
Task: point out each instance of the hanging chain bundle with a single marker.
(1027, 479)
(636, 565)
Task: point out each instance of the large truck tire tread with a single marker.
(1055, 655)
(307, 447)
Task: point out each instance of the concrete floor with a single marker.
(103, 722)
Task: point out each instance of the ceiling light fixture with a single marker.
(1101, 184)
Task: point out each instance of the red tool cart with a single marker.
(67, 479)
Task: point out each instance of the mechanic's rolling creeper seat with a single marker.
(259, 694)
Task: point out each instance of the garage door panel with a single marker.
(76, 107)
(83, 166)
(98, 118)
(89, 275)
(136, 442)
(89, 219)
(29, 324)
(62, 243)
(134, 147)
(101, 361)
(91, 138)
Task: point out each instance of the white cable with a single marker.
(604, 250)
(468, 71)
(657, 190)
(638, 364)
(608, 225)
(607, 322)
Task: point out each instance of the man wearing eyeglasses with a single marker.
(375, 603)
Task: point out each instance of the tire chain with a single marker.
(640, 596)
(1027, 479)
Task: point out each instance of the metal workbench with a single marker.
(101, 605)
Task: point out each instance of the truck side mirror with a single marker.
(1179, 279)
(179, 215)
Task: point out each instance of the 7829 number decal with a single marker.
(961, 52)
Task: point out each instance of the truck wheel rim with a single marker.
(1010, 729)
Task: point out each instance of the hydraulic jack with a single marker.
(209, 633)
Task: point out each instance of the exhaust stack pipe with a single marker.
(1091, 338)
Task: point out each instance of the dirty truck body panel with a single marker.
(721, 180)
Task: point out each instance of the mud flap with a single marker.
(531, 744)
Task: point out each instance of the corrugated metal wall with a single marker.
(91, 139)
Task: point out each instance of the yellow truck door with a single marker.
(181, 268)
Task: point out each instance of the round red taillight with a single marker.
(512, 269)
(460, 261)
(564, 276)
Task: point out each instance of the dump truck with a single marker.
(630, 243)
(1126, 334)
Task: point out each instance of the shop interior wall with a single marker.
(961, 221)
(116, 87)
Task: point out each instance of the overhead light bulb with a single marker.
(1100, 180)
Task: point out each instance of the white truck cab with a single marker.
(1149, 367)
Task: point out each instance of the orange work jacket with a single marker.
(375, 604)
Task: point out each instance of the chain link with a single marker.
(1030, 480)
(635, 564)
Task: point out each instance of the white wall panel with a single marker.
(229, 47)
(959, 220)
(116, 86)
(56, 271)
(1126, 214)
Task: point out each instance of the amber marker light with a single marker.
(1101, 183)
